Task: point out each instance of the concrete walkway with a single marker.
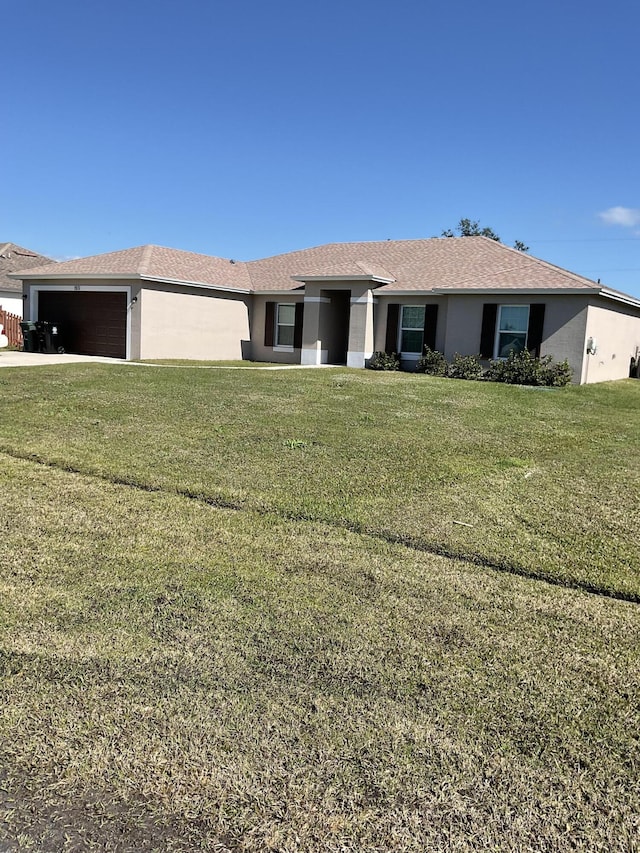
(37, 359)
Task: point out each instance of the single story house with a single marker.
(14, 258)
(337, 304)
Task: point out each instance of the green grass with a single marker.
(183, 362)
(280, 674)
(545, 483)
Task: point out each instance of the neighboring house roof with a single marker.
(439, 265)
(14, 258)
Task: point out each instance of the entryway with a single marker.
(336, 316)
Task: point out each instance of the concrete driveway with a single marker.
(37, 359)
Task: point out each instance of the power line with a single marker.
(586, 240)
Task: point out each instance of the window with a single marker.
(511, 336)
(285, 324)
(412, 329)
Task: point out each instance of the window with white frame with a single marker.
(285, 324)
(511, 334)
(412, 329)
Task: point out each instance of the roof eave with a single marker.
(283, 291)
(199, 284)
(127, 277)
(619, 297)
(73, 276)
(515, 291)
(332, 278)
(490, 291)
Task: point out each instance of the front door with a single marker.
(339, 310)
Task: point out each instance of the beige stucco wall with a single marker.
(460, 323)
(312, 331)
(565, 321)
(167, 321)
(361, 325)
(616, 330)
(258, 349)
(205, 324)
(563, 334)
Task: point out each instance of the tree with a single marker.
(471, 228)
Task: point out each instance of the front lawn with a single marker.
(540, 482)
(231, 618)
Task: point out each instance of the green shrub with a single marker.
(384, 361)
(465, 367)
(433, 363)
(559, 373)
(523, 368)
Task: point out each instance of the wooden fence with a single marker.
(12, 330)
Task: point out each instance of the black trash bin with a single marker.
(30, 340)
(49, 337)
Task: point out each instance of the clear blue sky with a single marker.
(248, 128)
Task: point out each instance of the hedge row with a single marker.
(520, 368)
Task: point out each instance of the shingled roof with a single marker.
(14, 258)
(436, 265)
(154, 263)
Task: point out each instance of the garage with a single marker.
(91, 323)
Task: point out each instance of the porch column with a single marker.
(312, 352)
(360, 329)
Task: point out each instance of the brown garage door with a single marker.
(90, 323)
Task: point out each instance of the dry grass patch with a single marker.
(177, 676)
